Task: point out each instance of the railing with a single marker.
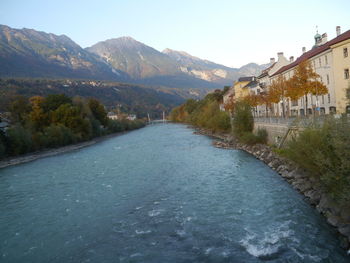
(300, 121)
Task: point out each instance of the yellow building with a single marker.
(341, 67)
(240, 89)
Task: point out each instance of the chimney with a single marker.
(279, 55)
(291, 59)
(338, 30)
(272, 60)
(324, 38)
(303, 49)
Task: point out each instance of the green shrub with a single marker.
(262, 136)
(325, 153)
(20, 140)
(243, 121)
(59, 135)
(249, 138)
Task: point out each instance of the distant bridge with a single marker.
(157, 121)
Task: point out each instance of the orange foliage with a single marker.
(305, 81)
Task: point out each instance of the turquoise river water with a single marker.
(158, 194)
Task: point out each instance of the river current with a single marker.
(158, 194)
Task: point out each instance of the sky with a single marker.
(228, 32)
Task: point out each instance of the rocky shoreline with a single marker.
(336, 215)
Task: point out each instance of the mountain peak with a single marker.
(169, 51)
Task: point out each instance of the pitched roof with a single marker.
(315, 51)
(246, 78)
(251, 84)
(265, 71)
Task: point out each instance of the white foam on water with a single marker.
(156, 203)
(181, 233)
(136, 255)
(155, 212)
(208, 250)
(267, 245)
(138, 207)
(143, 232)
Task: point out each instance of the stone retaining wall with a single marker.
(275, 131)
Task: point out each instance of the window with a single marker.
(294, 103)
(319, 61)
(329, 98)
(313, 62)
(322, 99)
(326, 59)
(346, 73)
(345, 52)
(327, 79)
(322, 111)
(332, 110)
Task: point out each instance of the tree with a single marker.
(305, 81)
(264, 99)
(277, 92)
(19, 108)
(98, 111)
(53, 101)
(243, 121)
(37, 116)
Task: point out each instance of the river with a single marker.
(158, 194)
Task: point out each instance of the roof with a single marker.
(265, 71)
(314, 52)
(246, 78)
(251, 84)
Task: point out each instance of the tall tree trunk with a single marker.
(306, 112)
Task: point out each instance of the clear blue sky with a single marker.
(229, 32)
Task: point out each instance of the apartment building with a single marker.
(330, 59)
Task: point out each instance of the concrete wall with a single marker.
(275, 131)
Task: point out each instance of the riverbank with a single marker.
(29, 157)
(336, 215)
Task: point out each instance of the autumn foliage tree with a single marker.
(305, 81)
(278, 92)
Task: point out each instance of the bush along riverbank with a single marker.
(42, 123)
(316, 163)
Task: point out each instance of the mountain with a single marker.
(146, 65)
(30, 53)
(170, 67)
(34, 54)
(133, 57)
(210, 71)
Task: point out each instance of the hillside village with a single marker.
(329, 59)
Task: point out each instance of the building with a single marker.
(240, 89)
(112, 116)
(331, 61)
(264, 79)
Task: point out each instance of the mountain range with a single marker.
(28, 53)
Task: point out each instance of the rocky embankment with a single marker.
(337, 215)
